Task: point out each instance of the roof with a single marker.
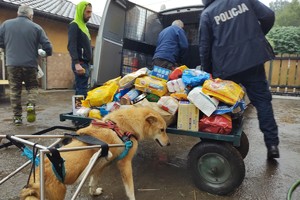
(62, 10)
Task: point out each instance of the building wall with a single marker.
(58, 70)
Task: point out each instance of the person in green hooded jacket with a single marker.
(79, 47)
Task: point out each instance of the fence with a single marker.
(283, 74)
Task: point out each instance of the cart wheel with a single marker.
(244, 145)
(216, 167)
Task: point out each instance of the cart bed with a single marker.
(233, 137)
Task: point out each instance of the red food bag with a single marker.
(177, 73)
(221, 124)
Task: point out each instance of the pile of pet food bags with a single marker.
(189, 99)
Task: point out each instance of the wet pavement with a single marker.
(162, 173)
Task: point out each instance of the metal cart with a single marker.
(215, 162)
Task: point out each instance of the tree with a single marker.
(287, 13)
(278, 4)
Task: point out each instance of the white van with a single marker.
(128, 33)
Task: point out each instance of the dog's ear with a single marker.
(151, 118)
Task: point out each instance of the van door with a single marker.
(109, 43)
(126, 40)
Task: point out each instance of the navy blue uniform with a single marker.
(233, 47)
(172, 46)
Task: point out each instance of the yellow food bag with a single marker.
(150, 85)
(224, 90)
(103, 94)
(179, 96)
(95, 113)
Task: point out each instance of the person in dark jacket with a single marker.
(21, 39)
(233, 47)
(79, 47)
(172, 47)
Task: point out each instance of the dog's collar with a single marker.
(124, 136)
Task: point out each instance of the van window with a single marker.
(142, 27)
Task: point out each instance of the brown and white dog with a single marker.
(143, 123)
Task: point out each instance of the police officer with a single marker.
(233, 47)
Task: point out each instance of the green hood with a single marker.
(79, 18)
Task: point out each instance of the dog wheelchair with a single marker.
(39, 152)
(216, 162)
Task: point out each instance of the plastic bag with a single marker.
(194, 77)
(95, 113)
(40, 73)
(221, 124)
(238, 107)
(103, 94)
(224, 90)
(83, 111)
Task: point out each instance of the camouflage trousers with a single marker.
(17, 75)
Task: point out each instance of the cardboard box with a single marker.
(188, 116)
(203, 102)
(76, 103)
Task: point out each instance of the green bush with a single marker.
(285, 39)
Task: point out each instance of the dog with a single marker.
(141, 122)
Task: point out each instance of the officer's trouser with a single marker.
(254, 80)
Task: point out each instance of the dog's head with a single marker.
(155, 128)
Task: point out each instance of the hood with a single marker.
(79, 17)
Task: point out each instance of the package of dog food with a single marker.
(128, 80)
(202, 101)
(168, 104)
(160, 73)
(176, 85)
(177, 73)
(152, 97)
(224, 90)
(188, 116)
(180, 96)
(221, 124)
(150, 85)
